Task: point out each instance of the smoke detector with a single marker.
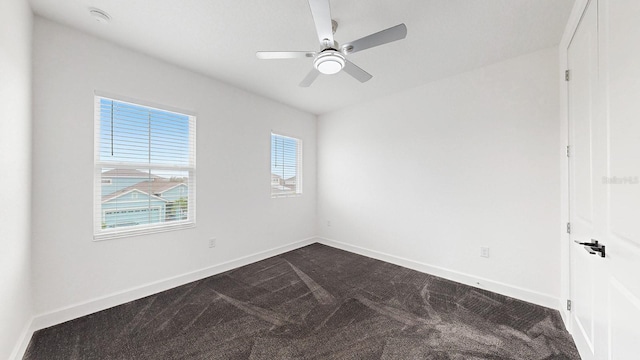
(99, 15)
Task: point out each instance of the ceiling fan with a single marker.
(331, 58)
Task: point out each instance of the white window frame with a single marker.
(299, 166)
(136, 230)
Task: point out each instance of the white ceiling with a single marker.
(220, 37)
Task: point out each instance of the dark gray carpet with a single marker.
(316, 302)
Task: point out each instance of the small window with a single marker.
(286, 166)
(144, 169)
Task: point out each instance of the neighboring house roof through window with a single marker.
(128, 173)
(154, 188)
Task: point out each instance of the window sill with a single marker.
(285, 196)
(117, 234)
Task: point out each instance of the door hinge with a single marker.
(569, 305)
(568, 150)
(568, 228)
(567, 75)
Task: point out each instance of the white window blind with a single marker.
(286, 166)
(144, 169)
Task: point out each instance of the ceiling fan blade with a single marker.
(355, 71)
(311, 76)
(394, 33)
(268, 55)
(321, 12)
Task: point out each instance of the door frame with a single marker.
(565, 242)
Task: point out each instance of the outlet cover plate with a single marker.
(484, 251)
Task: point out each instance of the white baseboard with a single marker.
(515, 292)
(23, 341)
(74, 311)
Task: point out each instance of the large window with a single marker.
(286, 166)
(144, 169)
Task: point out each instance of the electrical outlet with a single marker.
(484, 251)
(328, 223)
(212, 242)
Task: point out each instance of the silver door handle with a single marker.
(593, 247)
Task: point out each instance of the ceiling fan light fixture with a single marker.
(329, 62)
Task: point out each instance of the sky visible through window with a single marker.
(137, 134)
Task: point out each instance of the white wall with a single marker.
(233, 193)
(15, 162)
(431, 174)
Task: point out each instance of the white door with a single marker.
(621, 78)
(583, 108)
(604, 107)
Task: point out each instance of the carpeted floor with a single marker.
(316, 302)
